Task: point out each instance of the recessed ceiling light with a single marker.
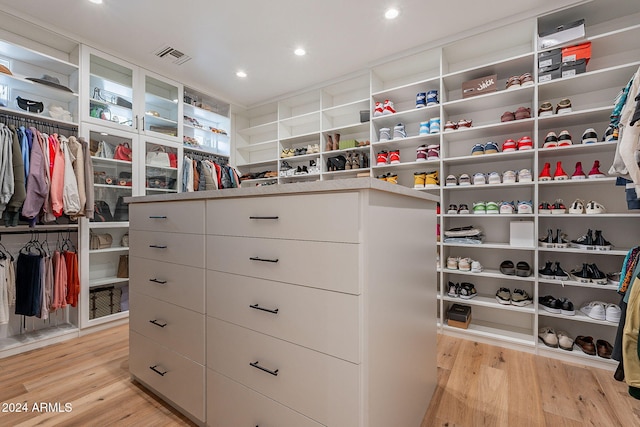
(96, 1)
(300, 51)
(391, 13)
(241, 74)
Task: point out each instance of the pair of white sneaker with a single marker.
(589, 208)
(602, 311)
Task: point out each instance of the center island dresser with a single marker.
(297, 305)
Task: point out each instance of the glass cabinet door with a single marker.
(161, 168)
(111, 92)
(161, 108)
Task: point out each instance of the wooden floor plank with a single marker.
(556, 390)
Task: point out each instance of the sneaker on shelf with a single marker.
(454, 290)
(394, 157)
(595, 170)
(579, 173)
(464, 123)
(421, 154)
(522, 113)
(597, 276)
(507, 208)
(613, 278)
(550, 304)
(507, 267)
(492, 208)
(452, 263)
(589, 136)
(600, 243)
(464, 179)
(477, 149)
(507, 116)
(494, 178)
(432, 98)
(548, 336)
(551, 140)
(464, 264)
(525, 143)
(520, 298)
(453, 209)
(524, 175)
(509, 145)
(559, 273)
(564, 106)
(421, 100)
(424, 128)
(418, 179)
(560, 174)
(479, 179)
(526, 80)
(393, 178)
(582, 275)
(434, 125)
(595, 310)
(564, 139)
(467, 290)
(545, 110)
(476, 267)
(399, 132)
(565, 341)
(577, 207)
(385, 134)
(449, 126)
(544, 208)
(547, 272)
(509, 177)
(433, 152)
(463, 209)
(547, 241)
(491, 148)
(451, 181)
(479, 208)
(612, 313)
(566, 307)
(378, 109)
(525, 207)
(432, 180)
(545, 174)
(513, 82)
(382, 158)
(594, 208)
(559, 241)
(610, 134)
(503, 296)
(558, 207)
(584, 242)
(387, 108)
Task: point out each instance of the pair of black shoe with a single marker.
(553, 242)
(552, 272)
(557, 306)
(590, 273)
(589, 241)
(521, 269)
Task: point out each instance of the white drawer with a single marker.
(323, 265)
(319, 386)
(185, 249)
(174, 327)
(318, 319)
(175, 217)
(178, 284)
(230, 404)
(322, 217)
(183, 381)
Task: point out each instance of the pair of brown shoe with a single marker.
(601, 347)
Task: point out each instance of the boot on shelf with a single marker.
(329, 146)
(336, 141)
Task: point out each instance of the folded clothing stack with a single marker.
(467, 235)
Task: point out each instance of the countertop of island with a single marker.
(347, 184)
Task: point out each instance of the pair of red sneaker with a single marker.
(560, 174)
(523, 143)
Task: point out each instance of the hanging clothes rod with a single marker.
(35, 230)
(17, 117)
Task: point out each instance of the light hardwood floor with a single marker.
(478, 385)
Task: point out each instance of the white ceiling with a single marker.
(340, 36)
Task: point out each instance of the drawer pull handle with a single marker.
(158, 217)
(155, 322)
(255, 258)
(268, 371)
(161, 282)
(257, 307)
(153, 368)
(263, 217)
(158, 246)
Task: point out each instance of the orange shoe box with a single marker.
(577, 52)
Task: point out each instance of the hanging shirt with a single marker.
(4, 292)
(73, 280)
(57, 177)
(6, 167)
(20, 185)
(59, 281)
(70, 194)
(24, 149)
(37, 183)
(77, 163)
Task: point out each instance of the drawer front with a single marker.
(230, 404)
(324, 265)
(323, 217)
(177, 284)
(183, 381)
(319, 386)
(321, 320)
(173, 327)
(185, 249)
(174, 217)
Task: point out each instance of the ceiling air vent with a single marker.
(172, 54)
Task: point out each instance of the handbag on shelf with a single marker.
(158, 157)
(173, 160)
(100, 240)
(122, 210)
(101, 211)
(105, 151)
(123, 267)
(124, 241)
(123, 152)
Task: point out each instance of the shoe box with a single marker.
(549, 73)
(521, 234)
(572, 68)
(459, 316)
(480, 86)
(561, 34)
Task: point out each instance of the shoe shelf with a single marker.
(429, 165)
(499, 99)
(408, 142)
(612, 252)
(301, 177)
(111, 249)
(578, 317)
(575, 353)
(575, 283)
(407, 91)
(412, 115)
(501, 215)
(489, 158)
(582, 117)
(487, 186)
(578, 148)
(586, 216)
(259, 180)
(570, 182)
(496, 331)
(514, 128)
(350, 128)
(490, 301)
(260, 164)
(490, 245)
(107, 281)
(347, 173)
(112, 224)
(487, 272)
